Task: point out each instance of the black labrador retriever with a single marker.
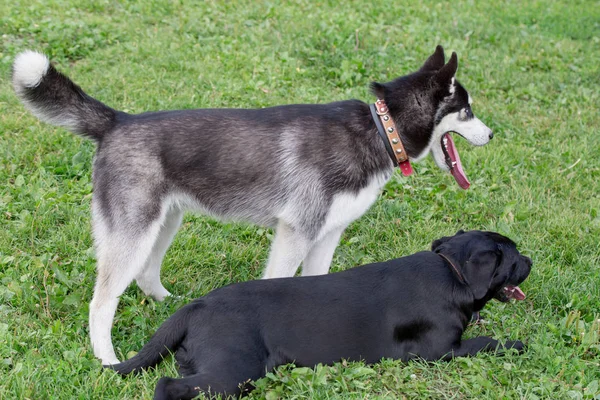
(415, 306)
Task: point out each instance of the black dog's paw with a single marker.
(515, 344)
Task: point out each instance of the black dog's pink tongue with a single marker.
(514, 292)
(456, 168)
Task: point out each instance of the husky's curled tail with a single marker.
(54, 98)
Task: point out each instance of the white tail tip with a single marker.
(29, 69)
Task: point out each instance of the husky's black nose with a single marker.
(491, 135)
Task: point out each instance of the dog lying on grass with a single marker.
(411, 307)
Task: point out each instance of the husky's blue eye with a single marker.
(467, 113)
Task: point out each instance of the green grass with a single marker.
(532, 69)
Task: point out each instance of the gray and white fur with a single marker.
(306, 170)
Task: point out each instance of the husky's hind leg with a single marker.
(122, 250)
(149, 277)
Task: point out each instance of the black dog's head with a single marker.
(490, 263)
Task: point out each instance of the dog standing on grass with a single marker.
(307, 170)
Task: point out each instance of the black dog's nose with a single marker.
(528, 261)
(491, 134)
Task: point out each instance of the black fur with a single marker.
(402, 309)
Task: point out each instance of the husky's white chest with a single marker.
(348, 206)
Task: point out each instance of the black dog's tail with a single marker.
(54, 98)
(164, 342)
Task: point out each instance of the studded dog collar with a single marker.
(389, 134)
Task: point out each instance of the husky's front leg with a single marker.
(287, 252)
(319, 257)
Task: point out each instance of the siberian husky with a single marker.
(308, 170)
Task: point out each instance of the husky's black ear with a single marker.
(447, 72)
(378, 90)
(435, 61)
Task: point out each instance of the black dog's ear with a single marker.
(435, 61)
(438, 242)
(378, 90)
(480, 271)
(447, 72)
(508, 257)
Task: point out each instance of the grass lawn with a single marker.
(532, 68)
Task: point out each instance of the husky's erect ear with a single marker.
(378, 90)
(447, 72)
(435, 61)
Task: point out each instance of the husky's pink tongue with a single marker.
(456, 169)
(514, 292)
